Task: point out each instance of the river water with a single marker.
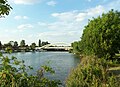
(61, 62)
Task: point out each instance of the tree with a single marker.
(15, 44)
(0, 45)
(4, 8)
(7, 45)
(33, 45)
(11, 43)
(101, 36)
(75, 47)
(39, 44)
(22, 43)
(45, 43)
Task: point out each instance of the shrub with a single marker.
(91, 72)
(13, 73)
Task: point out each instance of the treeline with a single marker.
(101, 37)
(22, 46)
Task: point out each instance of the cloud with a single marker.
(89, 13)
(72, 20)
(61, 26)
(65, 16)
(20, 17)
(42, 24)
(51, 3)
(69, 26)
(94, 11)
(113, 5)
(63, 36)
(26, 1)
(79, 16)
(25, 26)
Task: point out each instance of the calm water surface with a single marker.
(61, 62)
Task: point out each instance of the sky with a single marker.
(56, 21)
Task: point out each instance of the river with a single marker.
(61, 62)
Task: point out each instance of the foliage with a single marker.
(76, 47)
(45, 43)
(11, 43)
(4, 8)
(22, 43)
(101, 37)
(92, 72)
(39, 44)
(33, 45)
(15, 44)
(13, 73)
(0, 45)
(22, 47)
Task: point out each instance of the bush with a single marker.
(13, 73)
(91, 72)
(101, 37)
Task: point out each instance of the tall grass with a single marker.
(91, 72)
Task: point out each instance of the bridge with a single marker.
(55, 47)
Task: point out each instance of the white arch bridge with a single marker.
(55, 47)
